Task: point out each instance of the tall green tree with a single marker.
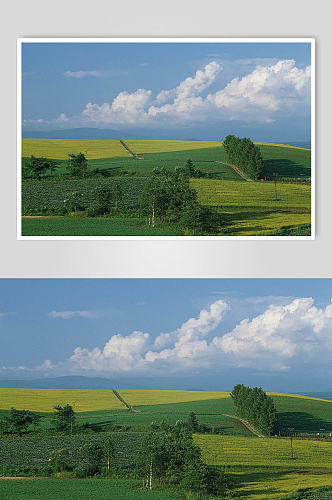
(244, 154)
(64, 418)
(77, 165)
(37, 168)
(102, 198)
(92, 458)
(18, 421)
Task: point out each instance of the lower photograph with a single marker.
(171, 389)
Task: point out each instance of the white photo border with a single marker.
(172, 39)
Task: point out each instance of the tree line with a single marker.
(255, 406)
(244, 154)
(168, 198)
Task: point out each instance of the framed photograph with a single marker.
(187, 388)
(166, 138)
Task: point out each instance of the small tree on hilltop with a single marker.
(64, 418)
(77, 165)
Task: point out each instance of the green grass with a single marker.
(285, 161)
(250, 208)
(79, 489)
(83, 226)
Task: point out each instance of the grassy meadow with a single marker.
(247, 208)
(260, 468)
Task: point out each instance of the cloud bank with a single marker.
(273, 89)
(286, 336)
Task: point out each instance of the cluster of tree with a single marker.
(91, 460)
(189, 170)
(171, 457)
(244, 154)
(192, 424)
(37, 168)
(256, 407)
(168, 197)
(104, 199)
(19, 421)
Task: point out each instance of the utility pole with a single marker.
(275, 185)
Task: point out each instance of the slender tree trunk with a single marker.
(150, 482)
(153, 215)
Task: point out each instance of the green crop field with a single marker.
(285, 161)
(30, 451)
(84, 226)
(152, 397)
(79, 489)
(50, 195)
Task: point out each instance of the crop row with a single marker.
(15, 452)
(50, 195)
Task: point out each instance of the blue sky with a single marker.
(202, 89)
(197, 333)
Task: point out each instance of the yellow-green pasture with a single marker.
(280, 145)
(252, 208)
(59, 149)
(44, 400)
(156, 397)
(274, 483)
(258, 452)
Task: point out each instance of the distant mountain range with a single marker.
(81, 382)
(76, 133)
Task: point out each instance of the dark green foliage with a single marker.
(256, 407)
(92, 458)
(170, 456)
(61, 460)
(64, 418)
(74, 201)
(203, 479)
(102, 198)
(324, 493)
(302, 230)
(36, 168)
(31, 451)
(47, 197)
(77, 165)
(244, 154)
(18, 421)
(168, 197)
(116, 195)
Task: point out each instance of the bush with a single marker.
(102, 200)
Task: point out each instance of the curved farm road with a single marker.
(246, 424)
(236, 170)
